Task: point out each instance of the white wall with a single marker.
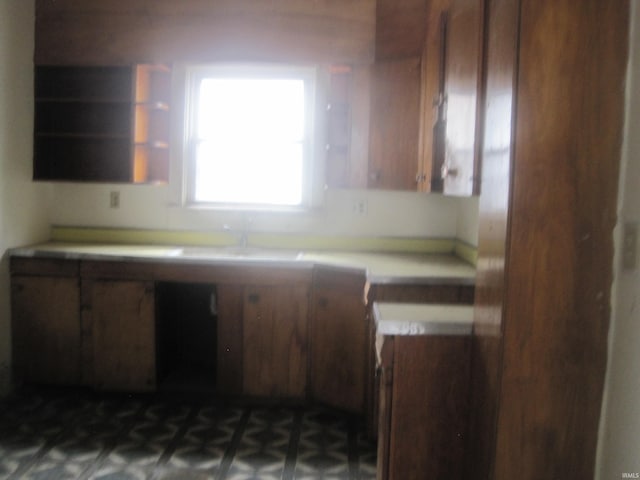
(619, 445)
(401, 214)
(467, 220)
(23, 204)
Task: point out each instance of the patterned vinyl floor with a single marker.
(53, 435)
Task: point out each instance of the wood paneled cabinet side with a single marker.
(338, 339)
(274, 341)
(122, 316)
(46, 333)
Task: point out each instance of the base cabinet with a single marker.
(338, 339)
(123, 332)
(401, 293)
(275, 341)
(46, 325)
(280, 334)
(423, 406)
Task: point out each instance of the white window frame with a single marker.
(183, 169)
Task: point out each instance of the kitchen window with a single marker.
(249, 140)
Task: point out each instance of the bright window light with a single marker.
(249, 137)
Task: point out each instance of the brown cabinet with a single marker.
(101, 123)
(460, 168)
(45, 304)
(123, 331)
(423, 406)
(394, 125)
(275, 341)
(338, 338)
(280, 332)
(395, 161)
(426, 97)
(401, 293)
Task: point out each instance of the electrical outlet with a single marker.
(114, 199)
(630, 246)
(359, 207)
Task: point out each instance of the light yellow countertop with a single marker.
(380, 267)
(400, 267)
(422, 319)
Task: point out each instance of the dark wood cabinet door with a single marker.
(123, 331)
(394, 127)
(430, 388)
(275, 341)
(464, 49)
(338, 348)
(46, 329)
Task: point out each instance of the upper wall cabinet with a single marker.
(394, 134)
(101, 124)
(459, 160)
(394, 127)
(425, 96)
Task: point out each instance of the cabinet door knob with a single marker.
(447, 171)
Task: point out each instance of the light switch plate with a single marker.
(630, 246)
(114, 199)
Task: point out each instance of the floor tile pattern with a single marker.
(71, 434)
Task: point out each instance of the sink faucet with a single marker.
(243, 233)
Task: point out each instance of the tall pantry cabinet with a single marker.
(553, 116)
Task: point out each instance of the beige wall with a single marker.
(619, 446)
(23, 204)
(403, 214)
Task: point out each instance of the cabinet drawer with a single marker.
(422, 293)
(44, 267)
(339, 279)
(118, 270)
